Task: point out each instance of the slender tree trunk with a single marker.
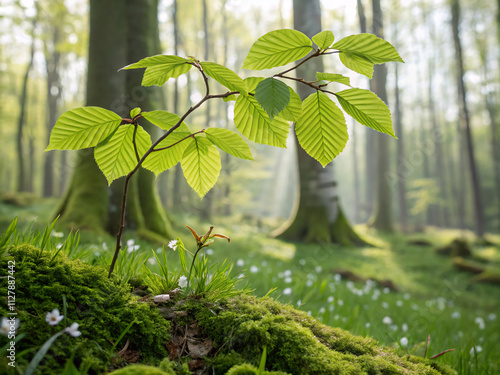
(382, 217)
(318, 215)
(465, 122)
(21, 167)
(208, 201)
(369, 140)
(54, 91)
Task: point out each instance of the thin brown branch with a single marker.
(176, 143)
(135, 143)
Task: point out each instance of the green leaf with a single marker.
(230, 98)
(375, 49)
(116, 158)
(367, 108)
(160, 68)
(357, 63)
(159, 161)
(134, 112)
(321, 131)
(83, 127)
(164, 120)
(229, 142)
(252, 83)
(272, 95)
(277, 48)
(254, 123)
(226, 77)
(324, 39)
(201, 165)
(330, 77)
(293, 110)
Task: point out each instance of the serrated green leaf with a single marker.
(357, 63)
(272, 95)
(83, 127)
(252, 83)
(159, 161)
(160, 68)
(201, 165)
(367, 108)
(373, 48)
(134, 112)
(230, 142)
(117, 157)
(226, 77)
(277, 48)
(164, 120)
(321, 131)
(254, 123)
(293, 110)
(330, 77)
(324, 39)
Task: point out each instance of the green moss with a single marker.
(141, 370)
(101, 307)
(296, 343)
(247, 369)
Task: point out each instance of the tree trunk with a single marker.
(369, 139)
(21, 167)
(318, 215)
(465, 121)
(382, 216)
(54, 91)
(88, 202)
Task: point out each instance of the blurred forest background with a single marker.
(444, 171)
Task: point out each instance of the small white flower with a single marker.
(309, 282)
(480, 322)
(183, 281)
(73, 330)
(263, 263)
(209, 251)
(337, 277)
(385, 305)
(322, 310)
(399, 303)
(477, 349)
(340, 302)
(331, 307)
(287, 291)
(492, 316)
(240, 262)
(54, 317)
(406, 296)
(367, 325)
(387, 320)
(287, 273)
(254, 269)
(9, 326)
(288, 280)
(404, 342)
(57, 234)
(130, 242)
(173, 244)
(455, 315)
(386, 290)
(318, 269)
(404, 327)
(330, 299)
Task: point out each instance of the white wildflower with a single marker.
(404, 342)
(183, 281)
(9, 326)
(73, 330)
(54, 317)
(387, 320)
(173, 244)
(287, 291)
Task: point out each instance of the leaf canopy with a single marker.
(321, 131)
(330, 77)
(277, 48)
(367, 108)
(254, 123)
(160, 68)
(272, 95)
(117, 157)
(230, 142)
(82, 128)
(201, 165)
(225, 76)
(324, 39)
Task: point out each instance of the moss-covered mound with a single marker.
(198, 337)
(237, 330)
(102, 308)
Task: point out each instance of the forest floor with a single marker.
(399, 291)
